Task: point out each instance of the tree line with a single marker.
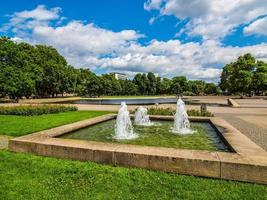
(40, 71)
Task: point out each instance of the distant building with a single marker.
(120, 76)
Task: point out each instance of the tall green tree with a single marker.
(237, 76)
(151, 83)
(53, 67)
(197, 87)
(259, 80)
(211, 88)
(142, 82)
(182, 82)
(128, 87)
(111, 86)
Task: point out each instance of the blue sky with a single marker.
(169, 37)
(116, 15)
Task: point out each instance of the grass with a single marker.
(153, 136)
(21, 125)
(24, 176)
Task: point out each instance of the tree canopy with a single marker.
(40, 71)
(244, 76)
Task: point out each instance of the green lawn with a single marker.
(21, 125)
(24, 176)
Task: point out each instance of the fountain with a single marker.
(123, 126)
(181, 122)
(142, 118)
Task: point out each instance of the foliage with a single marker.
(21, 125)
(197, 87)
(40, 71)
(259, 82)
(211, 88)
(244, 76)
(128, 87)
(4, 100)
(111, 86)
(179, 85)
(25, 176)
(188, 93)
(30, 110)
(170, 111)
(88, 83)
(27, 70)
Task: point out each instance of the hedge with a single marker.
(30, 110)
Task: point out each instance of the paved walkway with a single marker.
(256, 131)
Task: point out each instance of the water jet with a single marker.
(141, 117)
(123, 127)
(181, 121)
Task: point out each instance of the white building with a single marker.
(120, 76)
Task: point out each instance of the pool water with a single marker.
(128, 101)
(205, 137)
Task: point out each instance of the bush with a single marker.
(188, 93)
(170, 111)
(29, 110)
(6, 100)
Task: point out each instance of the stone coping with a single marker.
(247, 162)
(233, 103)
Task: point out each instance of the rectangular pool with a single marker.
(205, 137)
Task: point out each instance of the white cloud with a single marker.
(258, 27)
(85, 37)
(39, 13)
(174, 58)
(28, 19)
(152, 20)
(211, 19)
(153, 4)
(87, 45)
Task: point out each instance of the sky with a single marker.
(193, 38)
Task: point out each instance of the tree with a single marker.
(211, 88)
(53, 71)
(111, 86)
(158, 85)
(128, 87)
(176, 88)
(17, 78)
(151, 83)
(237, 76)
(196, 87)
(142, 82)
(182, 82)
(259, 80)
(165, 87)
(179, 85)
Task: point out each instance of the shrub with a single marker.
(2, 100)
(29, 110)
(188, 93)
(170, 111)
